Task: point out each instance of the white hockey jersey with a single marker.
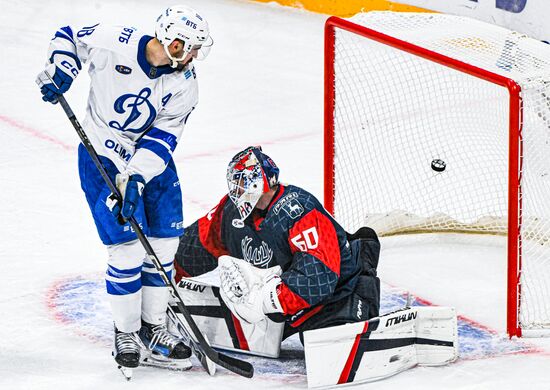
(136, 112)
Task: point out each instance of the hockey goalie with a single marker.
(269, 262)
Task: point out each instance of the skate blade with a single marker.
(165, 363)
(127, 372)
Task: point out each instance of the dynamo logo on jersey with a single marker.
(141, 112)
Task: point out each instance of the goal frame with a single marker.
(514, 138)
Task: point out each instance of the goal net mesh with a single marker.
(420, 147)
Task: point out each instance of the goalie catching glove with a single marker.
(249, 292)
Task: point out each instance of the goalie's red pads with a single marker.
(381, 347)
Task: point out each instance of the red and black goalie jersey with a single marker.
(295, 232)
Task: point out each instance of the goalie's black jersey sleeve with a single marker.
(295, 232)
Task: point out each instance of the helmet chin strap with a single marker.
(174, 61)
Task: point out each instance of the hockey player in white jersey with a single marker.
(142, 91)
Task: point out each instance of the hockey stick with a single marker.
(200, 347)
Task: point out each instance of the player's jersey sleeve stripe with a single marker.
(155, 147)
(168, 147)
(68, 54)
(167, 139)
(69, 31)
(65, 33)
(59, 34)
(159, 142)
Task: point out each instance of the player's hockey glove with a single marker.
(57, 78)
(249, 292)
(131, 190)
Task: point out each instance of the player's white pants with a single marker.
(134, 286)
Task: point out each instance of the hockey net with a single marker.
(438, 123)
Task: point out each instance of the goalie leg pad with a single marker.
(381, 347)
(223, 329)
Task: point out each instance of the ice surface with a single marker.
(261, 84)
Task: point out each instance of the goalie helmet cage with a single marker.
(438, 123)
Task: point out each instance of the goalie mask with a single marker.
(183, 23)
(250, 174)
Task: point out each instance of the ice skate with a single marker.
(126, 352)
(164, 349)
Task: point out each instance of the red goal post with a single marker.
(351, 118)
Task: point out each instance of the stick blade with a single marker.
(236, 365)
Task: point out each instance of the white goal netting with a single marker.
(422, 145)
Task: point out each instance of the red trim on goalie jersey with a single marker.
(291, 302)
(315, 234)
(180, 272)
(345, 375)
(243, 343)
(210, 233)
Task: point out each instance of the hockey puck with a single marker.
(438, 165)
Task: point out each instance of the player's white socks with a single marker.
(124, 284)
(155, 298)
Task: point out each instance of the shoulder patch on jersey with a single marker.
(123, 69)
(289, 203)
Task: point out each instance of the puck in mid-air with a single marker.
(438, 165)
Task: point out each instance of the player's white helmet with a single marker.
(250, 174)
(183, 23)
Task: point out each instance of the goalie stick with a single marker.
(204, 352)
